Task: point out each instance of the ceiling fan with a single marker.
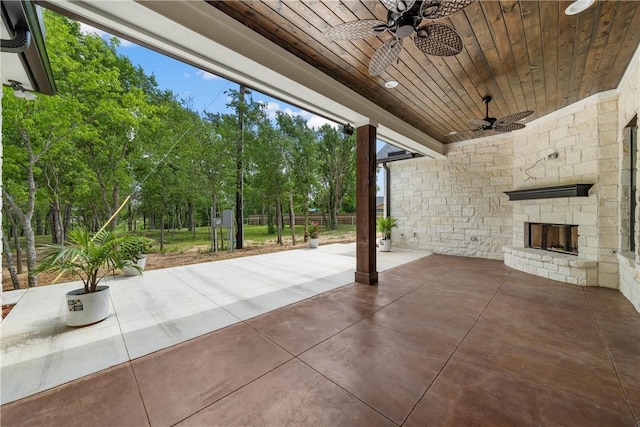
(505, 124)
(403, 20)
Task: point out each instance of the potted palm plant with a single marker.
(90, 258)
(385, 224)
(313, 233)
(136, 252)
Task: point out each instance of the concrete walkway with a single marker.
(160, 309)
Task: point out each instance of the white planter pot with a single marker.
(313, 243)
(130, 271)
(385, 245)
(86, 309)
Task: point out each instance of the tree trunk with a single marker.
(162, 226)
(129, 218)
(292, 219)
(306, 218)
(116, 205)
(240, 173)
(57, 235)
(66, 221)
(173, 221)
(192, 218)
(271, 227)
(214, 227)
(13, 233)
(279, 222)
(25, 221)
(39, 225)
(9, 256)
(32, 277)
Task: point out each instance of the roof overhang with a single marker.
(28, 64)
(389, 153)
(183, 31)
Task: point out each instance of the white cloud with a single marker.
(186, 75)
(312, 120)
(88, 29)
(272, 108)
(206, 75)
(317, 122)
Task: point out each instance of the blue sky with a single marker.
(204, 90)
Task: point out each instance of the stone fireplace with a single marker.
(556, 237)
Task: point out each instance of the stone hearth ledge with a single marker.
(550, 265)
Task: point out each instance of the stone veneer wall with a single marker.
(455, 205)
(584, 136)
(628, 107)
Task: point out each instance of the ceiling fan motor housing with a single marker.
(403, 24)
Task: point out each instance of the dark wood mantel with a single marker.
(570, 190)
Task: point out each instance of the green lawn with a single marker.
(253, 235)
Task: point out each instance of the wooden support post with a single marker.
(366, 205)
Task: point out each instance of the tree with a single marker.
(216, 162)
(30, 129)
(301, 164)
(270, 171)
(337, 169)
(165, 169)
(250, 115)
(87, 128)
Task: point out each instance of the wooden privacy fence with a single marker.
(320, 219)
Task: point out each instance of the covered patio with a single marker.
(443, 340)
(446, 339)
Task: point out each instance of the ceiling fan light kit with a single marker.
(404, 19)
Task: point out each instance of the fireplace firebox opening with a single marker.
(562, 238)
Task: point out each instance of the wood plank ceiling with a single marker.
(528, 55)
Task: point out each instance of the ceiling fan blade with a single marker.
(438, 40)
(512, 118)
(509, 127)
(478, 123)
(356, 30)
(434, 9)
(399, 6)
(384, 56)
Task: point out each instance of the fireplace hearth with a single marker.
(561, 238)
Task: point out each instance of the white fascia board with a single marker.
(201, 35)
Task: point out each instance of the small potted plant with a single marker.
(136, 252)
(313, 233)
(90, 258)
(385, 224)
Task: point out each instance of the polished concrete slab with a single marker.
(442, 341)
(160, 309)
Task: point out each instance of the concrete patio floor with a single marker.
(442, 340)
(160, 309)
